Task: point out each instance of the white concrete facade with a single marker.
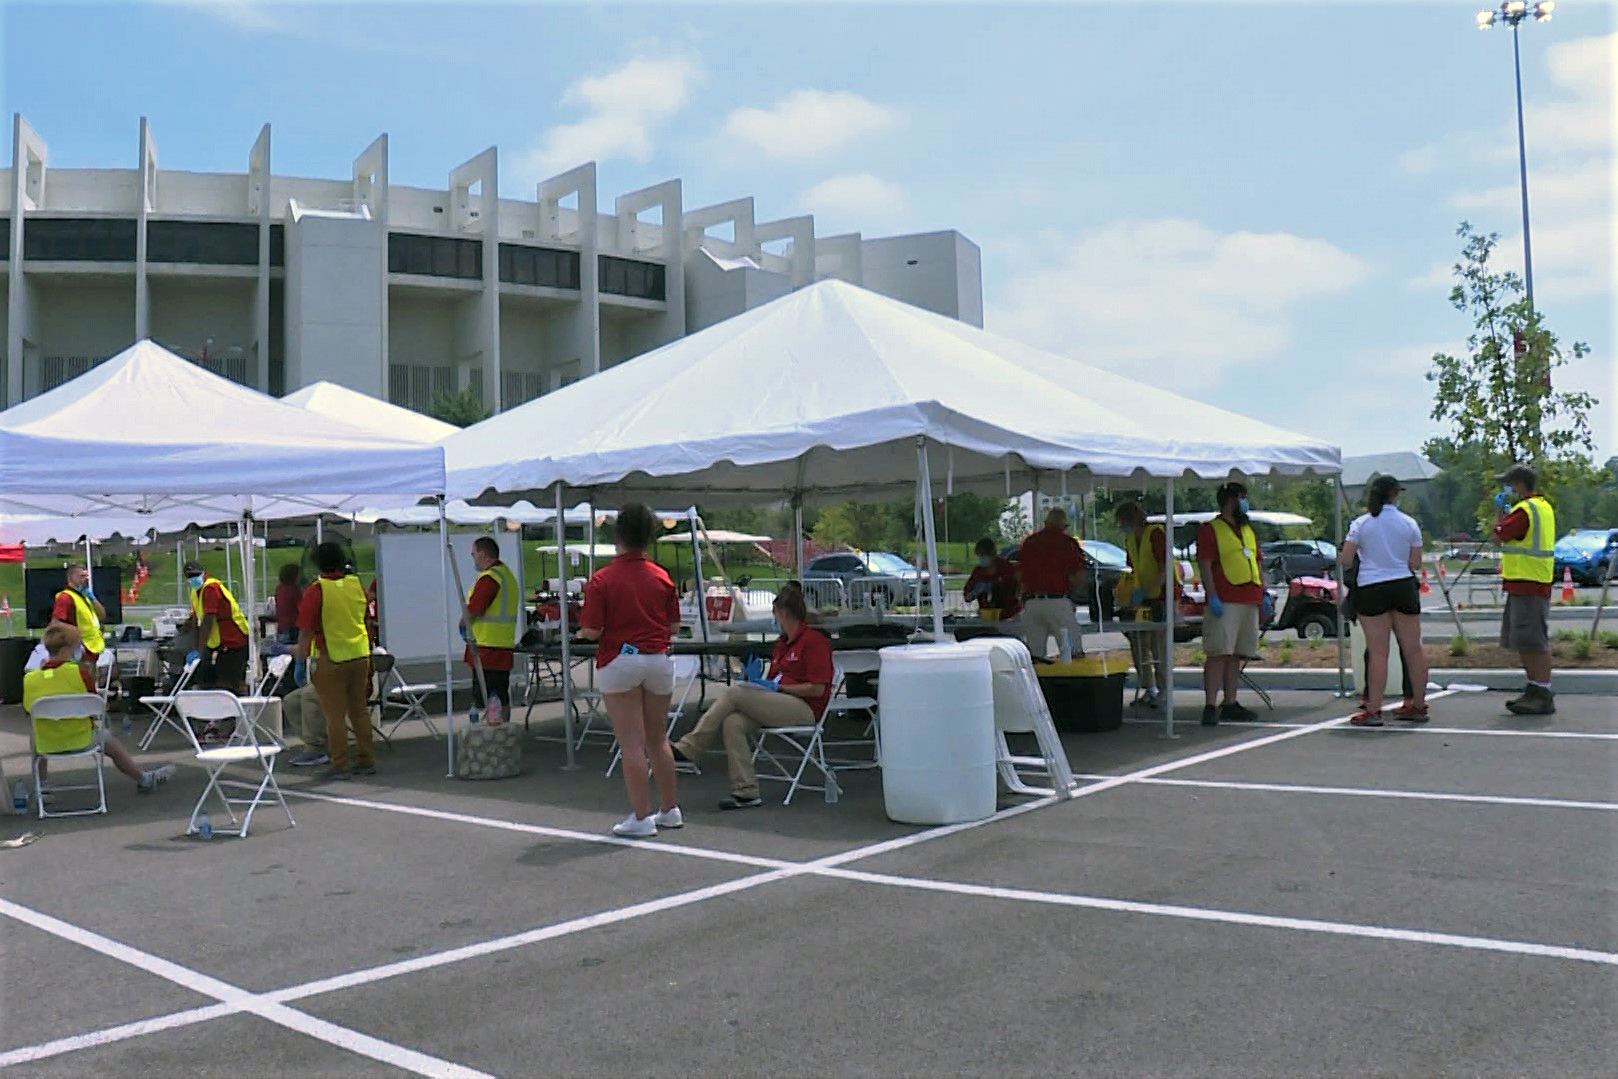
(402, 293)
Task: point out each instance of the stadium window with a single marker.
(79, 239)
(630, 277)
(212, 243)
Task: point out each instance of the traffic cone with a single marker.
(1426, 589)
(1567, 585)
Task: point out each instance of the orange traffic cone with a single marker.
(1426, 589)
(1567, 585)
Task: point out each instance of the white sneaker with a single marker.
(633, 827)
(150, 781)
(670, 819)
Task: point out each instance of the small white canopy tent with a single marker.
(152, 436)
(368, 413)
(835, 392)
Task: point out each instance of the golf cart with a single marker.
(1310, 608)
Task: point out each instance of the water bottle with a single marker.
(494, 715)
(19, 799)
(472, 716)
(204, 827)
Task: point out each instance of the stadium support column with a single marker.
(478, 213)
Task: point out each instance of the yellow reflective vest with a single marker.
(56, 735)
(1143, 561)
(1531, 558)
(85, 618)
(497, 626)
(197, 612)
(1238, 555)
(342, 619)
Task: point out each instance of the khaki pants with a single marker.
(738, 712)
(344, 689)
(302, 715)
(1044, 621)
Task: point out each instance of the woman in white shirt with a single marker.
(1388, 546)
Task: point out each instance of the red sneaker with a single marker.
(1411, 712)
(1366, 718)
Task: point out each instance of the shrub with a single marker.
(1609, 639)
(1459, 645)
(1582, 648)
(1286, 651)
(1198, 657)
(1567, 635)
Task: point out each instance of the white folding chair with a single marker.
(163, 706)
(216, 706)
(687, 673)
(804, 746)
(274, 672)
(106, 671)
(64, 708)
(394, 696)
(859, 661)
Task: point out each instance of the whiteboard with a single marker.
(416, 606)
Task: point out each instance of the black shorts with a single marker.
(1402, 596)
(229, 669)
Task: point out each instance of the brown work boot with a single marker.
(1538, 701)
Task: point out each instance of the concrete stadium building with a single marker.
(403, 293)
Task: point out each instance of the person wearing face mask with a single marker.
(77, 606)
(221, 632)
(993, 583)
(64, 674)
(1147, 548)
(1526, 532)
(1227, 551)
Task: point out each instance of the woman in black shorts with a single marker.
(1388, 600)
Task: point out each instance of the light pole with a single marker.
(1514, 12)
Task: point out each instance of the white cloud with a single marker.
(808, 123)
(870, 197)
(242, 14)
(625, 107)
(1168, 300)
(1376, 400)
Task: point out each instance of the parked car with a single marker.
(1586, 553)
(1285, 559)
(1106, 563)
(865, 576)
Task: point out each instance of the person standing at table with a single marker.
(993, 582)
(1526, 532)
(221, 632)
(331, 631)
(631, 609)
(288, 592)
(78, 607)
(1146, 545)
(1052, 567)
(491, 610)
(1227, 551)
(1387, 599)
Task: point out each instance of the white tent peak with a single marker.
(368, 413)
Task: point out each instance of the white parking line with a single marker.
(1371, 792)
(1233, 917)
(115, 1034)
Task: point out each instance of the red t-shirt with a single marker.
(84, 672)
(63, 611)
(1514, 526)
(483, 594)
(1001, 577)
(630, 601)
(805, 660)
(1048, 559)
(1208, 551)
(214, 603)
(286, 606)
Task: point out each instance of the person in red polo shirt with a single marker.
(792, 693)
(632, 611)
(993, 583)
(1227, 551)
(1051, 563)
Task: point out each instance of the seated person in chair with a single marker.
(63, 674)
(792, 693)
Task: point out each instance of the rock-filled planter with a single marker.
(484, 752)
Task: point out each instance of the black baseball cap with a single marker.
(193, 568)
(1518, 473)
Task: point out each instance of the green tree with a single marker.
(972, 517)
(461, 409)
(1499, 395)
(870, 526)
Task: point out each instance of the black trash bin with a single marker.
(1088, 693)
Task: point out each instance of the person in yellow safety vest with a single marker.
(332, 630)
(491, 610)
(1227, 551)
(1526, 531)
(77, 606)
(1147, 547)
(221, 633)
(61, 675)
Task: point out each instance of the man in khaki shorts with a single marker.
(1526, 531)
(1227, 551)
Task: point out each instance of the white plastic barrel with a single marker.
(938, 747)
(1393, 692)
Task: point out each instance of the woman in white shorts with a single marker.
(632, 611)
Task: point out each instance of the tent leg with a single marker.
(449, 636)
(924, 480)
(244, 533)
(1171, 575)
(1337, 537)
(797, 534)
(567, 653)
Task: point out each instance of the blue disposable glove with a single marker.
(300, 673)
(983, 590)
(89, 593)
(766, 685)
(1502, 501)
(1215, 606)
(193, 656)
(1137, 597)
(463, 632)
(754, 670)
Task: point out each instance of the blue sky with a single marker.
(1253, 203)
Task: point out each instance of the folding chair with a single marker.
(106, 671)
(862, 661)
(807, 745)
(687, 672)
(390, 693)
(215, 706)
(274, 672)
(66, 708)
(163, 706)
(1247, 680)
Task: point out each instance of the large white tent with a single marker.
(833, 392)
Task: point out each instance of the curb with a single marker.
(1577, 682)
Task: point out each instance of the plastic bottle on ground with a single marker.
(19, 799)
(205, 827)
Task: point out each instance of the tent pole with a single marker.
(924, 479)
(696, 573)
(797, 533)
(179, 572)
(1171, 576)
(1337, 538)
(562, 628)
(244, 532)
(449, 633)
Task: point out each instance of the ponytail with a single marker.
(1382, 492)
